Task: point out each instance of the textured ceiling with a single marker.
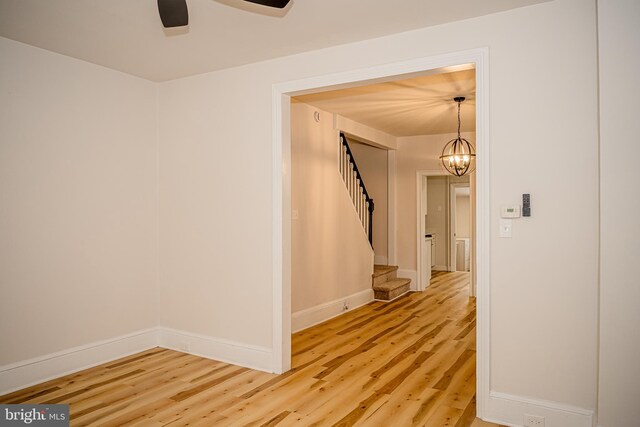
(418, 106)
(127, 35)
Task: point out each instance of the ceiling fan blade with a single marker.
(173, 13)
(271, 3)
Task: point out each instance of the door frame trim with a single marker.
(281, 191)
(420, 224)
(453, 253)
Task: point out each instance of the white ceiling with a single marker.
(127, 35)
(417, 106)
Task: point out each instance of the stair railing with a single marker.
(355, 187)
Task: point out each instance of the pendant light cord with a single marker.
(459, 118)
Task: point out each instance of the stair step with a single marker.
(391, 285)
(383, 273)
(391, 289)
(379, 270)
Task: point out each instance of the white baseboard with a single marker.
(409, 274)
(440, 268)
(380, 260)
(393, 299)
(37, 370)
(250, 356)
(306, 318)
(509, 410)
(33, 371)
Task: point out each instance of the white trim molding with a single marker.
(391, 207)
(309, 317)
(16, 376)
(483, 228)
(420, 224)
(37, 370)
(281, 190)
(409, 274)
(393, 299)
(365, 134)
(249, 356)
(509, 410)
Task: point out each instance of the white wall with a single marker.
(372, 164)
(215, 206)
(87, 244)
(331, 254)
(619, 42)
(215, 154)
(78, 203)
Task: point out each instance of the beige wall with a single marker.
(619, 41)
(437, 221)
(78, 203)
(416, 153)
(372, 164)
(463, 216)
(331, 254)
(216, 168)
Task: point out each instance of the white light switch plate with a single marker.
(506, 226)
(294, 214)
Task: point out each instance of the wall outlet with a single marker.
(533, 421)
(345, 306)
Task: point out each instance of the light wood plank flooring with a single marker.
(410, 362)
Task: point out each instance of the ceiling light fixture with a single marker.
(458, 155)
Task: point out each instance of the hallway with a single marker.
(411, 361)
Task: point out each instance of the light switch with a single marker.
(294, 214)
(506, 226)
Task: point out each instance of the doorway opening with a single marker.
(282, 213)
(446, 224)
(461, 220)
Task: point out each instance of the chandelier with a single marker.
(458, 155)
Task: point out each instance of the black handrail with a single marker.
(369, 200)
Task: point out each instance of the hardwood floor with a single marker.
(410, 362)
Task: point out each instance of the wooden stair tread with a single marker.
(391, 285)
(379, 270)
(386, 287)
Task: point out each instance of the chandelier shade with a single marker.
(458, 155)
